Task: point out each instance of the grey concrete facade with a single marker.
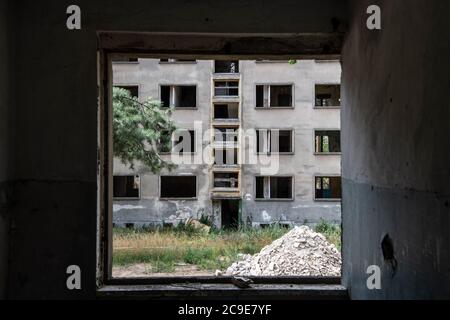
(302, 164)
(53, 207)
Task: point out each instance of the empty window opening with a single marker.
(126, 187)
(328, 95)
(226, 135)
(274, 188)
(229, 111)
(183, 141)
(328, 188)
(226, 180)
(226, 66)
(273, 96)
(184, 187)
(328, 141)
(226, 156)
(274, 141)
(180, 96)
(133, 90)
(230, 213)
(226, 88)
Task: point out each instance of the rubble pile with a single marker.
(300, 252)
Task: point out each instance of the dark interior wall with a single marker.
(5, 117)
(395, 149)
(54, 182)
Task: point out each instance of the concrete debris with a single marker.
(300, 252)
(198, 225)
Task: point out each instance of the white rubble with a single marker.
(300, 252)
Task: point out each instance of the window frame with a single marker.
(170, 84)
(110, 44)
(121, 85)
(177, 198)
(326, 84)
(292, 130)
(217, 98)
(325, 153)
(128, 198)
(255, 96)
(275, 199)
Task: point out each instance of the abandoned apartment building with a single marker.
(294, 112)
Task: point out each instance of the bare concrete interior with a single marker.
(394, 126)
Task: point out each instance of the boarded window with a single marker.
(274, 188)
(328, 141)
(178, 187)
(226, 88)
(126, 186)
(328, 188)
(226, 180)
(184, 141)
(273, 96)
(184, 96)
(274, 140)
(328, 95)
(226, 66)
(133, 90)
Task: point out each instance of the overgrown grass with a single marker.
(164, 249)
(331, 231)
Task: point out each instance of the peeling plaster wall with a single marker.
(395, 149)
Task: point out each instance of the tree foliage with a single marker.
(141, 131)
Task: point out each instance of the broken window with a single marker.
(328, 141)
(229, 180)
(226, 156)
(328, 188)
(273, 96)
(274, 141)
(226, 88)
(273, 188)
(229, 111)
(226, 135)
(133, 90)
(226, 66)
(176, 60)
(328, 95)
(183, 141)
(184, 187)
(179, 96)
(126, 187)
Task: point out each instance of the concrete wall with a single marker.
(5, 111)
(149, 74)
(395, 149)
(55, 174)
(302, 164)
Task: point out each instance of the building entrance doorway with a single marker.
(230, 213)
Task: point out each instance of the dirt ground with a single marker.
(142, 270)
